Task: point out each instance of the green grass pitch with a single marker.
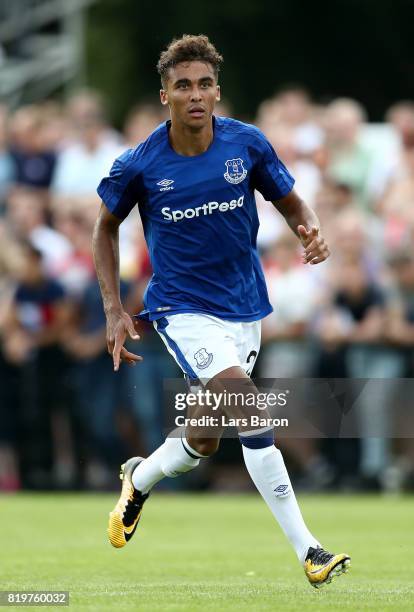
(206, 552)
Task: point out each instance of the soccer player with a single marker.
(193, 180)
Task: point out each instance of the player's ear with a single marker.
(218, 93)
(163, 97)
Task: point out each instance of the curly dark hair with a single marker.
(188, 48)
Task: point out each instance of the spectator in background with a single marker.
(54, 129)
(357, 235)
(288, 122)
(397, 206)
(146, 392)
(397, 137)
(400, 333)
(287, 351)
(7, 168)
(88, 154)
(292, 107)
(354, 345)
(27, 213)
(9, 427)
(140, 122)
(349, 162)
(400, 325)
(10, 260)
(271, 225)
(31, 336)
(98, 396)
(90, 151)
(33, 158)
(401, 116)
(223, 108)
(332, 199)
(76, 270)
(83, 106)
(307, 174)
(285, 332)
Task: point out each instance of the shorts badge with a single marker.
(203, 358)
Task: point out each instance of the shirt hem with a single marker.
(147, 315)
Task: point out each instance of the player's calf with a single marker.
(204, 446)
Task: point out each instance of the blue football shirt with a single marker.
(200, 219)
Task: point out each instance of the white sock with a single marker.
(172, 458)
(268, 472)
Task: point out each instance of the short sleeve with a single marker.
(270, 175)
(118, 190)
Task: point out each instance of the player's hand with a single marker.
(118, 327)
(316, 249)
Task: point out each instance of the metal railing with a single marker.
(42, 45)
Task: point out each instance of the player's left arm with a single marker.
(305, 224)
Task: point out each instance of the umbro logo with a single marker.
(165, 184)
(281, 490)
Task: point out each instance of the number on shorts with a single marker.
(251, 361)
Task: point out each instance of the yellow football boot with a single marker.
(322, 566)
(124, 518)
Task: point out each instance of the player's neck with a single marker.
(188, 141)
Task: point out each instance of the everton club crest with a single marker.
(235, 173)
(203, 358)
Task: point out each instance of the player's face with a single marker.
(191, 93)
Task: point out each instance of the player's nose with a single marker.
(196, 94)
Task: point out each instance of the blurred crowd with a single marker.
(66, 420)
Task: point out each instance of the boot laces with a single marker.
(320, 556)
(133, 507)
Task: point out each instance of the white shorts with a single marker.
(203, 345)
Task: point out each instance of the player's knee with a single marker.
(204, 446)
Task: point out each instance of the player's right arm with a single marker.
(106, 256)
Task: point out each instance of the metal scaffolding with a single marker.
(41, 47)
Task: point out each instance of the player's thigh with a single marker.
(205, 426)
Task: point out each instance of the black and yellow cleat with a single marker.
(321, 567)
(124, 518)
